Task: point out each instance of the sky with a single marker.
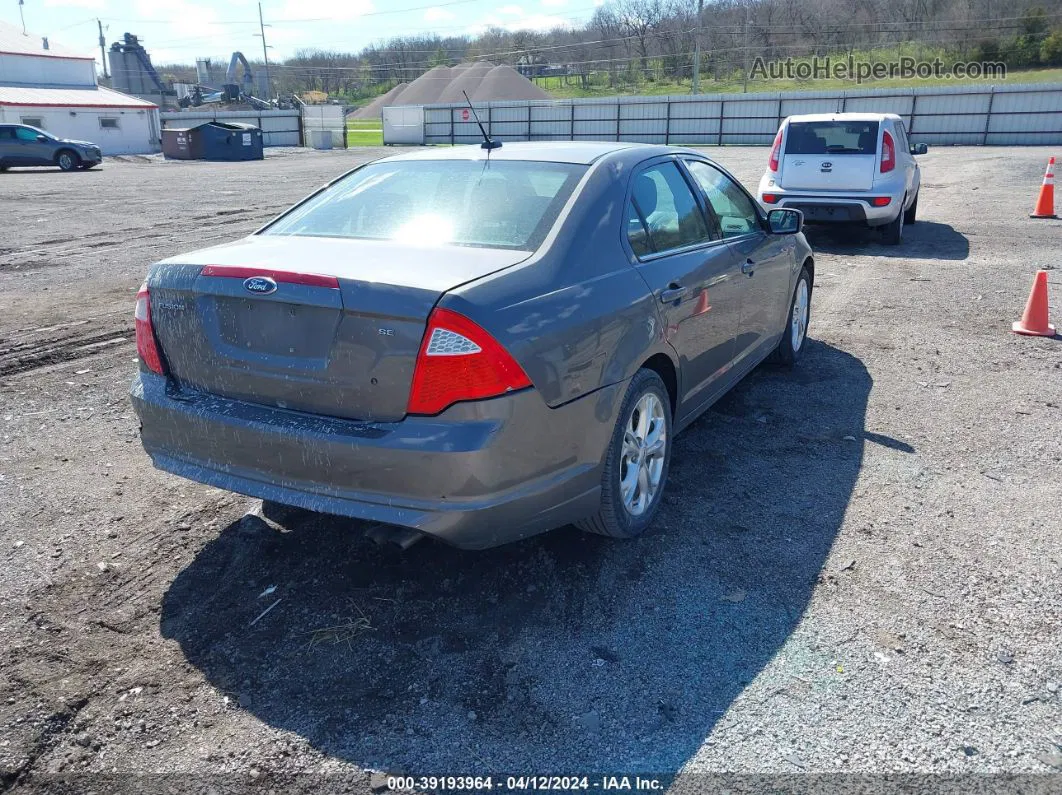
(178, 31)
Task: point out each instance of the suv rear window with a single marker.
(501, 204)
(832, 138)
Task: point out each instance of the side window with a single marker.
(737, 215)
(666, 207)
(26, 134)
(901, 133)
(7, 134)
(636, 232)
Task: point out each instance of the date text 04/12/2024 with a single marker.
(527, 783)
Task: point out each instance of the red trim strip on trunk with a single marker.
(280, 277)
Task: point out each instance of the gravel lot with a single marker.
(857, 568)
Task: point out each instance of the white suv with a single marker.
(848, 168)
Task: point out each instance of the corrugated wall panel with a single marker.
(900, 105)
(799, 105)
(945, 115)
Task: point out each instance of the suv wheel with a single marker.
(912, 211)
(892, 232)
(67, 160)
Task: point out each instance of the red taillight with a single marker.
(771, 198)
(775, 151)
(146, 346)
(888, 153)
(458, 361)
(280, 277)
(881, 201)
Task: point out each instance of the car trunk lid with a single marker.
(317, 325)
(835, 156)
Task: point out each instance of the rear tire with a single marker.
(795, 334)
(626, 512)
(67, 160)
(4, 168)
(892, 232)
(912, 212)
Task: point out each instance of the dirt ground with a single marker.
(857, 568)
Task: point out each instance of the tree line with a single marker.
(627, 43)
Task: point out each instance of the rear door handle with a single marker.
(748, 267)
(673, 293)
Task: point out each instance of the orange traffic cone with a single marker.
(1045, 205)
(1034, 322)
(702, 303)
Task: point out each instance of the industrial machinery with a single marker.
(232, 90)
(131, 68)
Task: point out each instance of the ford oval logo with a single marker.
(260, 285)
(827, 164)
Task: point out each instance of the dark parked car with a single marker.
(22, 145)
(474, 345)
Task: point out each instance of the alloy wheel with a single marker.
(642, 458)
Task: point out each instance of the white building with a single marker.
(55, 89)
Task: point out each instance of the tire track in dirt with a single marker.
(63, 343)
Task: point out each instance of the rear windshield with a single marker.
(832, 138)
(500, 204)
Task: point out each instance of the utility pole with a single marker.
(103, 51)
(697, 49)
(265, 52)
(745, 77)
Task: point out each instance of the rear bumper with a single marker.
(833, 208)
(478, 475)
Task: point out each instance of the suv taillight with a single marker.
(459, 361)
(888, 153)
(147, 348)
(775, 151)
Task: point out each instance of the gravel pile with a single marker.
(483, 81)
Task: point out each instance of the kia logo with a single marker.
(260, 285)
(827, 164)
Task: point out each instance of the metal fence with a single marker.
(970, 115)
(324, 120)
(279, 127)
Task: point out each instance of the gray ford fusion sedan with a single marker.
(472, 344)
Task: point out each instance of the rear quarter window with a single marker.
(832, 138)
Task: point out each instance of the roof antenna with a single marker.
(488, 142)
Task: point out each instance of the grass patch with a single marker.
(364, 132)
(558, 90)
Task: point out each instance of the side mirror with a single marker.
(42, 139)
(784, 221)
(919, 149)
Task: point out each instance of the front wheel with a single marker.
(795, 334)
(67, 160)
(637, 460)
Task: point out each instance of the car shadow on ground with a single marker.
(921, 240)
(46, 170)
(567, 652)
